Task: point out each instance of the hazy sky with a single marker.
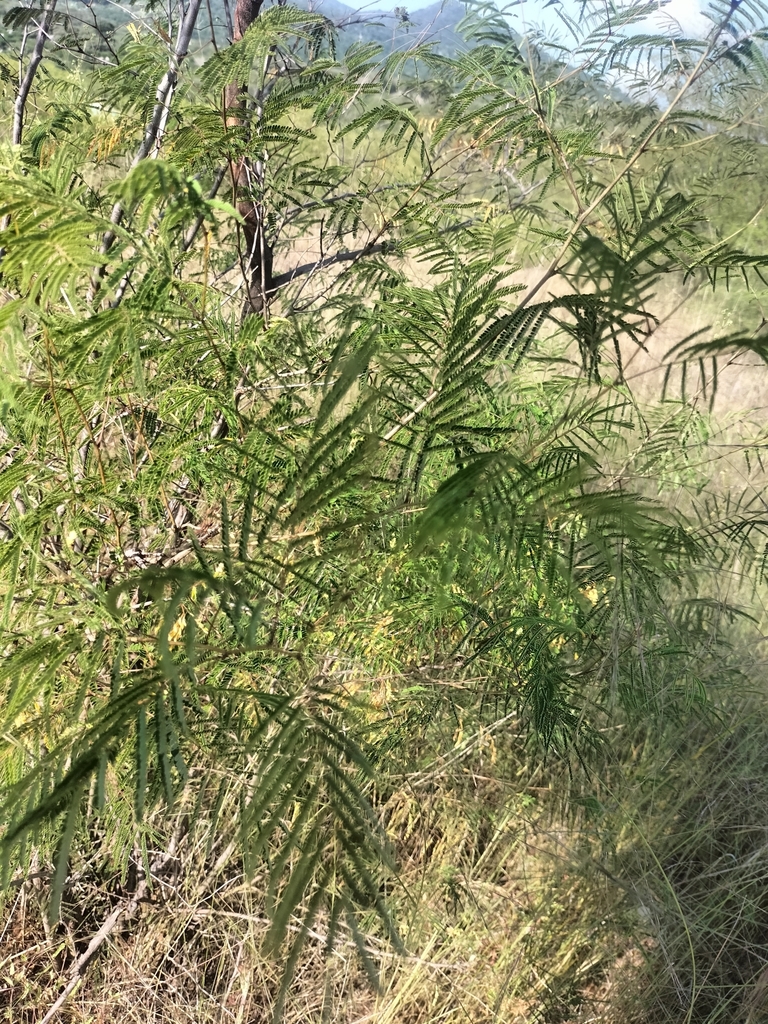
(687, 13)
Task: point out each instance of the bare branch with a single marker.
(340, 257)
(189, 238)
(19, 106)
(163, 99)
(702, 64)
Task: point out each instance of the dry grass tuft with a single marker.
(642, 903)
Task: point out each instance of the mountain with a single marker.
(392, 29)
(395, 29)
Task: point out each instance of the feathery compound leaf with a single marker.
(323, 480)
(274, 25)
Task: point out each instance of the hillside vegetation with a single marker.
(382, 518)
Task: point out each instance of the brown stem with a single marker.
(257, 255)
(230, 26)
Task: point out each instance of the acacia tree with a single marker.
(214, 522)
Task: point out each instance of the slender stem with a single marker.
(211, 26)
(43, 31)
(163, 100)
(189, 238)
(585, 214)
(230, 26)
(25, 86)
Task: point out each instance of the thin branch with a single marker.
(372, 248)
(94, 945)
(25, 86)
(329, 261)
(19, 106)
(190, 236)
(153, 134)
(584, 216)
(230, 26)
(211, 26)
(127, 908)
(401, 424)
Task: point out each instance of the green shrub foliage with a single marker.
(315, 433)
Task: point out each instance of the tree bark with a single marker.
(247, 179)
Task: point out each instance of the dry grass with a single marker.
(635, 896)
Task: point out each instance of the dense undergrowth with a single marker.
(642, 899)
(382, 569)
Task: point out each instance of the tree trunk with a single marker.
(247, 180)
